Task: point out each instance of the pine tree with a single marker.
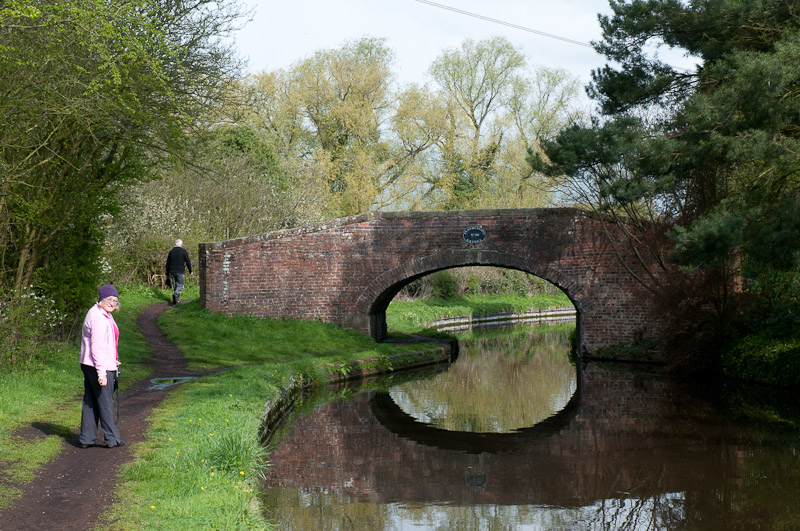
(713, 151)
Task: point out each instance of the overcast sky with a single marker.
(284, 32)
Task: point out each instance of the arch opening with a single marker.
(536, 283)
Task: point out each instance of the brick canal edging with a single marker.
(533, 316)
(280, 406)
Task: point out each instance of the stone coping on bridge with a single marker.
(372, 216)
(275, 410)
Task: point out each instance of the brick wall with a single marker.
(348, 270)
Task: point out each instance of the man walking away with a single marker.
(176, 260)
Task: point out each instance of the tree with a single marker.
(93, 96)
(234, 187)
(495, 109)
(475, 80)
(712, 151)
(330, 109)
(458, 144)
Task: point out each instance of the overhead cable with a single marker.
(509, 24)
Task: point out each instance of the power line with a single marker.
(509, 24)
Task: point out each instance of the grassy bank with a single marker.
(199, 467)
(188, 474)
(411, 316)
(48, 397)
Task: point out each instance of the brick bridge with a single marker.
(348, 270)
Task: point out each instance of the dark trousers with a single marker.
(177, 285)
(98, 406)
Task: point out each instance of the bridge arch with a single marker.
(377, 296)
(346, 271)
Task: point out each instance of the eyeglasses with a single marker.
(112, 302)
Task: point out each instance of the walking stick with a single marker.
(116, 391)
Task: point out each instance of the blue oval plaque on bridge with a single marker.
(474, 234)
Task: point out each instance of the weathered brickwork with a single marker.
(347, 271)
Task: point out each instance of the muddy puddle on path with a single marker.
(514, 436)
(166, 382)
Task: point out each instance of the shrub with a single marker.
(764, 359)
(27, 322)
(444, 285)
(480, 280)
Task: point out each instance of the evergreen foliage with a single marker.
(712, 151)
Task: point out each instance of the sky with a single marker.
(287, 31)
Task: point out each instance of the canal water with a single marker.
(515, 436)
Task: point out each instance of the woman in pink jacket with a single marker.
(99, 362)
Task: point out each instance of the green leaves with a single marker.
(94, 95)
(689, 142)
(709, 241)
(713, 152)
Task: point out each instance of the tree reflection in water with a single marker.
(528, 368)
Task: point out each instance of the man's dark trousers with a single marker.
(178, 280)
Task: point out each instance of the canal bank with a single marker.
(200, 462)
(279, 407)
(531, 317)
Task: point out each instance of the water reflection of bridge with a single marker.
(624, 436)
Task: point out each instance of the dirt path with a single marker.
(73, 490)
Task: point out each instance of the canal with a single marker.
(513, 435)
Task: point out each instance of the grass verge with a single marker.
(411, 316)
(200, 463)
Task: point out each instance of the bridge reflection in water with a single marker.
(626, 452)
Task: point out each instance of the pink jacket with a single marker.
(99, 338)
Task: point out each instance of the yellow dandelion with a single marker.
(236, 486)
(200, 420)
(241, 472)
(152, 506)
(190, 420)
(210, 434)
(176, 453)
(170, 438)
(212, 473)
(229, 394)
(202, 460)
(202, 488)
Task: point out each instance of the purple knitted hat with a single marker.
(107, 291)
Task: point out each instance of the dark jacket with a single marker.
(176, 259)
